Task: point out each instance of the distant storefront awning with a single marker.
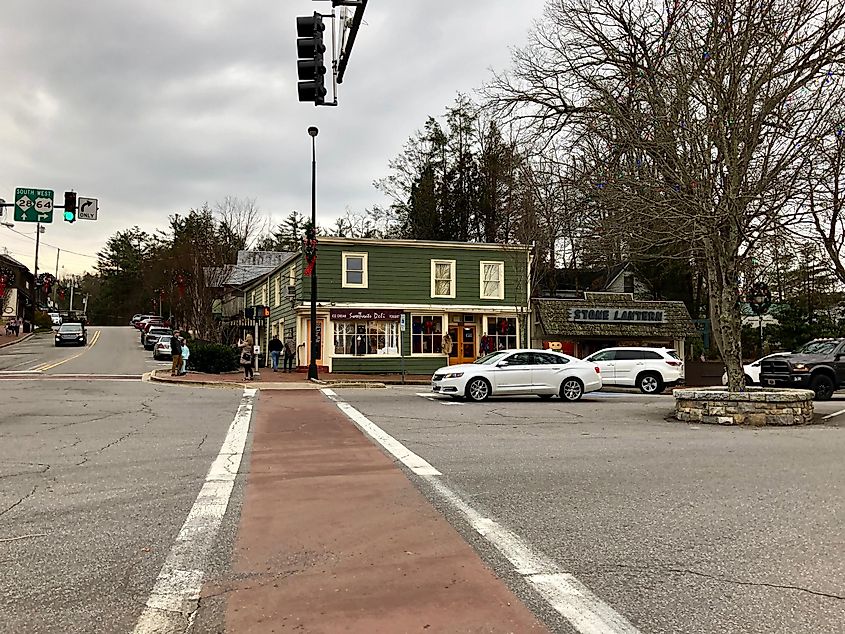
(613, 315)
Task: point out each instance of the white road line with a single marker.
(841, 411)
(330, 393)
(587, 613)
(173, 600)
(394, 447)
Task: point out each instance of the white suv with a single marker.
(651, 370)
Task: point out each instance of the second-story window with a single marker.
(443, 278)
(492, 280)
(354, 270)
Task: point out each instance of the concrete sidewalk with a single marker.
(333, 537)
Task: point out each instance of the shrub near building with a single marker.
(212, 358)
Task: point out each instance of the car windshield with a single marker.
(818, 347)
(70, 328)
(492, 357)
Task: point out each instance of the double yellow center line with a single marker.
(52, 364)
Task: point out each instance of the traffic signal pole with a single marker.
(35, 274)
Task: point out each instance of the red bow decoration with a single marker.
(180, 284)
(503, 326)
(309, 248)
(429, 326)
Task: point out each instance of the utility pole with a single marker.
(35, 274)
(56, 282)
(72, 284)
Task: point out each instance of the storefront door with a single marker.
(464, 345)
(320, 329)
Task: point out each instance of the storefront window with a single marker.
(500, 334)
(427, 334)
(366, 337)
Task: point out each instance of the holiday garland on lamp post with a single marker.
(309, 247)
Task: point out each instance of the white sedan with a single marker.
(752, 370)
(514, 372)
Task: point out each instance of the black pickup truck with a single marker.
(818, 365)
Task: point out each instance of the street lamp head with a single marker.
(313, 131)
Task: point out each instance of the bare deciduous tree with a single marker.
(705, 110)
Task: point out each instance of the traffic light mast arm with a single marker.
(353, 32)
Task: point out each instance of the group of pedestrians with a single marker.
(14, 325)
(276, 348)
(179, 352)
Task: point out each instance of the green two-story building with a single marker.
(387, 306)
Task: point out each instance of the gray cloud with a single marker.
(159, 106)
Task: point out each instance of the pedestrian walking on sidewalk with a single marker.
(275, 347)
(185, 354)
(176, 354)
(246, 357)
(290, 354)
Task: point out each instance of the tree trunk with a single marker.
(723, 294)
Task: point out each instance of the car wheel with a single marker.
(478, 390)
(545, 397)
(822, 385)
(748, 380)
(155, 357)
(650, 383)
(571, 389)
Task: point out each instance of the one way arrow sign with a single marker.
(87, 209)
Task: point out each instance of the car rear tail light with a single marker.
(598, 370)
(674, 363)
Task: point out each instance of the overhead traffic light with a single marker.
(70, 206)
(310, 66)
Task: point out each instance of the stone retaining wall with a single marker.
(755, 406)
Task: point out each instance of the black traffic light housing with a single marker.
(70, 207)
(310, 66)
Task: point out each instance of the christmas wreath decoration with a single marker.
(7, 278)
(46, 281)
(309, 247)
(759, 297)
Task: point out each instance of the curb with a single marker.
(357, 384)
(18, 340)
(155, 378)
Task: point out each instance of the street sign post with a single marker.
(33, 205)
(87, 209)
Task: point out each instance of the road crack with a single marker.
(28, 495)
(739, 582)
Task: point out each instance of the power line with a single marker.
(53, 246)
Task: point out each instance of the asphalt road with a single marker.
(96, 479)
(680, 528)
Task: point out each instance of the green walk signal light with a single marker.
(70, 206)
(310, 66)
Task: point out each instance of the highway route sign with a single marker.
(33, 205)
(87, 209)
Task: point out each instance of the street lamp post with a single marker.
(312, 365)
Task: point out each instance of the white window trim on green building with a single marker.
(346, 256)
(486, 267)
(452, 270)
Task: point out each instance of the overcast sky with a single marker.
(155, 107)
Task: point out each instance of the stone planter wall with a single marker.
(754, 406)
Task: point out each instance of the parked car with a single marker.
(752, 370)
(56, 318)
(154, 334)
(651, 370)
(161, 349)
(145, 319)
(516, 372)
(71, 333)
(818, 366)
(148, 324)
(136, 318)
